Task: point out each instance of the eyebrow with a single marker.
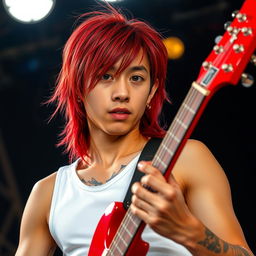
(139, 68)
(132, 69)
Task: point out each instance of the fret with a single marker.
(170, 134)
(177, 130)
(123, 233)
(128, 232)
(181, 123)
(161, 161)
(131, 217)
(117, 247)
(188, 108)
(115, 251)
(121, 239)
(168, 150)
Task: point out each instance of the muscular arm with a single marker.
(209, 199)
(35, 238)
(196, 211)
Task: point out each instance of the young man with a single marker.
(111, 90)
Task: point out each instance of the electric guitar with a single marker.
(119, 231)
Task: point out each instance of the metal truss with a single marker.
(11, 206)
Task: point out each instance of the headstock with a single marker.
(229, 57)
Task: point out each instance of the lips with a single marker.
(120, 111)
(120, 114)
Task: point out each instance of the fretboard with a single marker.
(164, 156)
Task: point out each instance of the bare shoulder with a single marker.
(38, 204)
(43, 190)
(35, 237)
(195, 149)
(44, 184)
(197, 165)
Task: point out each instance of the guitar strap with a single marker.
(147, 154)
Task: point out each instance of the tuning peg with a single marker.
(218, 49)
(253, 59)
(217, 39)
(238, 48)
(234, 13)
(247, 31)
(206, 65)
(227, 67)
(227, 25)
(240, 16)
(247, 80)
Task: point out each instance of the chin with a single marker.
(120, 129)
(117, 133)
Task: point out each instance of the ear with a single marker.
(152, 91)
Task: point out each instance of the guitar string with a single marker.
(168, 140)
(182, 115)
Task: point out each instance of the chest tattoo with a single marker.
(94, 182)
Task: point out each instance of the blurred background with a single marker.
(30, 59)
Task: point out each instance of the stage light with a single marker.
(175, 47)
(112, 1)
(28, 11)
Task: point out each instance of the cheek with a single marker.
(90, 109)
(93, 104)
(94, 107)
(141, 106)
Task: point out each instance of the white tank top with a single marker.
(77, 208)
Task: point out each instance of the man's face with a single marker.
(117, 102)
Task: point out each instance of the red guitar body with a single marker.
(107, 228)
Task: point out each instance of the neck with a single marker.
(106, 150)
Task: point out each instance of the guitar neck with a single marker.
(180, 129)
(164, 159)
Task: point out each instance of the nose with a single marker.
(120, 91)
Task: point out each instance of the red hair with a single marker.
(91, 50)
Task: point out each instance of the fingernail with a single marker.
(141, 165)
(134, 187)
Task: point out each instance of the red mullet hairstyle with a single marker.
(91, 50)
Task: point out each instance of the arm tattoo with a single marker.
(94, 182)
(216, 245)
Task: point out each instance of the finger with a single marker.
(167, 190)
(147, 168)
(147, 203)
(141, 204)
(145, 195)
(140, 213)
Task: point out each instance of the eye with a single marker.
(106, 77)
(137, 78)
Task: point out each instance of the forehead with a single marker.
(139, 63)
